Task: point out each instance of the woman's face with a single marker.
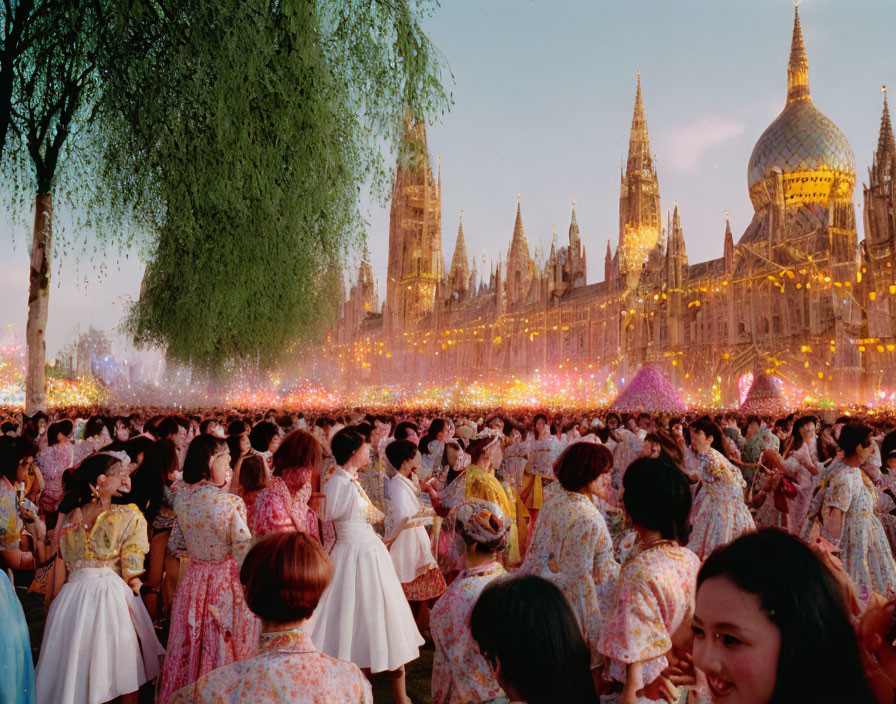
(516, 436)
(735, 643)
(116, 483)
(650, 449)
(121, 431)
(599, 485)
(362, 455)
(275, 442)
(495, 454)
(245, 445)
(24, 469)
(807, 431)
(700, 440)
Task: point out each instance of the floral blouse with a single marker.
(654, 596)
(572, 547)
(213, 522)
(53, 461)
(10, 523)
(287, 670)
(721, 479)
(118, 540)
(459, 672)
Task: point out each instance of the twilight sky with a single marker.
(543, 94)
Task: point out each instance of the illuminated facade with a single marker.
(795, 294)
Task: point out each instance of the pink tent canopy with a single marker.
(649, 391)
(765, 398)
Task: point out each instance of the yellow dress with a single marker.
(484, 485)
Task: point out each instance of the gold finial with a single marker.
(676, 203)
(796, 3)
(798, 66)
(639, 73)
(726, 214)
(573, 203)
(517, 196)
(883, 89)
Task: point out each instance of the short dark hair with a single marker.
(199, 454)
(170, 425)
(527, 624)
(803, 599)
(60, 426)
(403, 428)
(345, 443)
(261, 435)
(253, 473)
(298, 449)
(581, 463)
(656, 495)
(710, 430)
(284, 576)
(852, 435)
(78, 481)
(400, 451)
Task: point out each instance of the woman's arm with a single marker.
(833, 524)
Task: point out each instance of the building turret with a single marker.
(639, 200)
(608, 263)
(576, 265)
(729, 246)
(520, 268)
(415, 232)
(459, 276)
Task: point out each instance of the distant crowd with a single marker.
(238, 556)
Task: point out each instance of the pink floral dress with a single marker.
(287, 669)
(211, 625)
(720, 514)
(53, 461)
(866, 551)
(459, 672)
(276, 510)
(298, 481)
(572, 547)
(654, 596)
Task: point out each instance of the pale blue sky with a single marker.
(543, 101)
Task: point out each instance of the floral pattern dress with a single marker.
(53, 461)
(720, 514)
(572, 547)
(299, 482)
(654, 596)
(99, 642)
(459, 672)
(288, 669)
(276, 510)
(211, 625)
(479, 484)
(866, 551)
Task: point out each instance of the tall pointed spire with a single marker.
(798, 67)
(460, 268)
(886, 145)
(574, 235)
(639, 158)
(729, 244)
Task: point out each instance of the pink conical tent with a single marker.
(765, 398)
(649, 391)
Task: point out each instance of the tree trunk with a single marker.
(38, 305)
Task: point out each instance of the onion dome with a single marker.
(804, 145)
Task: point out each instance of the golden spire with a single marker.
(886, 145)
(798, 67)
(639, 142)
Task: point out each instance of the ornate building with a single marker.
(795, 294)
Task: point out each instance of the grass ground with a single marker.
(419, 672)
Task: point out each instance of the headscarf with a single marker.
(483, 523)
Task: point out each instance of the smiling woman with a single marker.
(769, 616)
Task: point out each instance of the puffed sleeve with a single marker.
(634, 630)
(839, 492)
(134, 543)
(341, 497)
(271, 512)
(10, 523)
(240, 537)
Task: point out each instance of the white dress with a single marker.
(363, 616)
(412, 550)
(99, 641)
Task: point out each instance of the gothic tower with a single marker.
(415, 232)
(639, 199)
(520, 267)
(880, 231)
(459, 282)
(676, 271)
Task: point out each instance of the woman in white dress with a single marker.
(363, 615)
(99, 643)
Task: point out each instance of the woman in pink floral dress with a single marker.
(285, 575)
(284, 505)
(211, 625)
(572, 545)
(654, 598)
(459, 672)
(720, 513)
(60, 454)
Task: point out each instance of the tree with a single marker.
(51, 80)
(17, 19)
(241, 134)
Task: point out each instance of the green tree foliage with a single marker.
(242, 133)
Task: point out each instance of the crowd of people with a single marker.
(236, 556)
